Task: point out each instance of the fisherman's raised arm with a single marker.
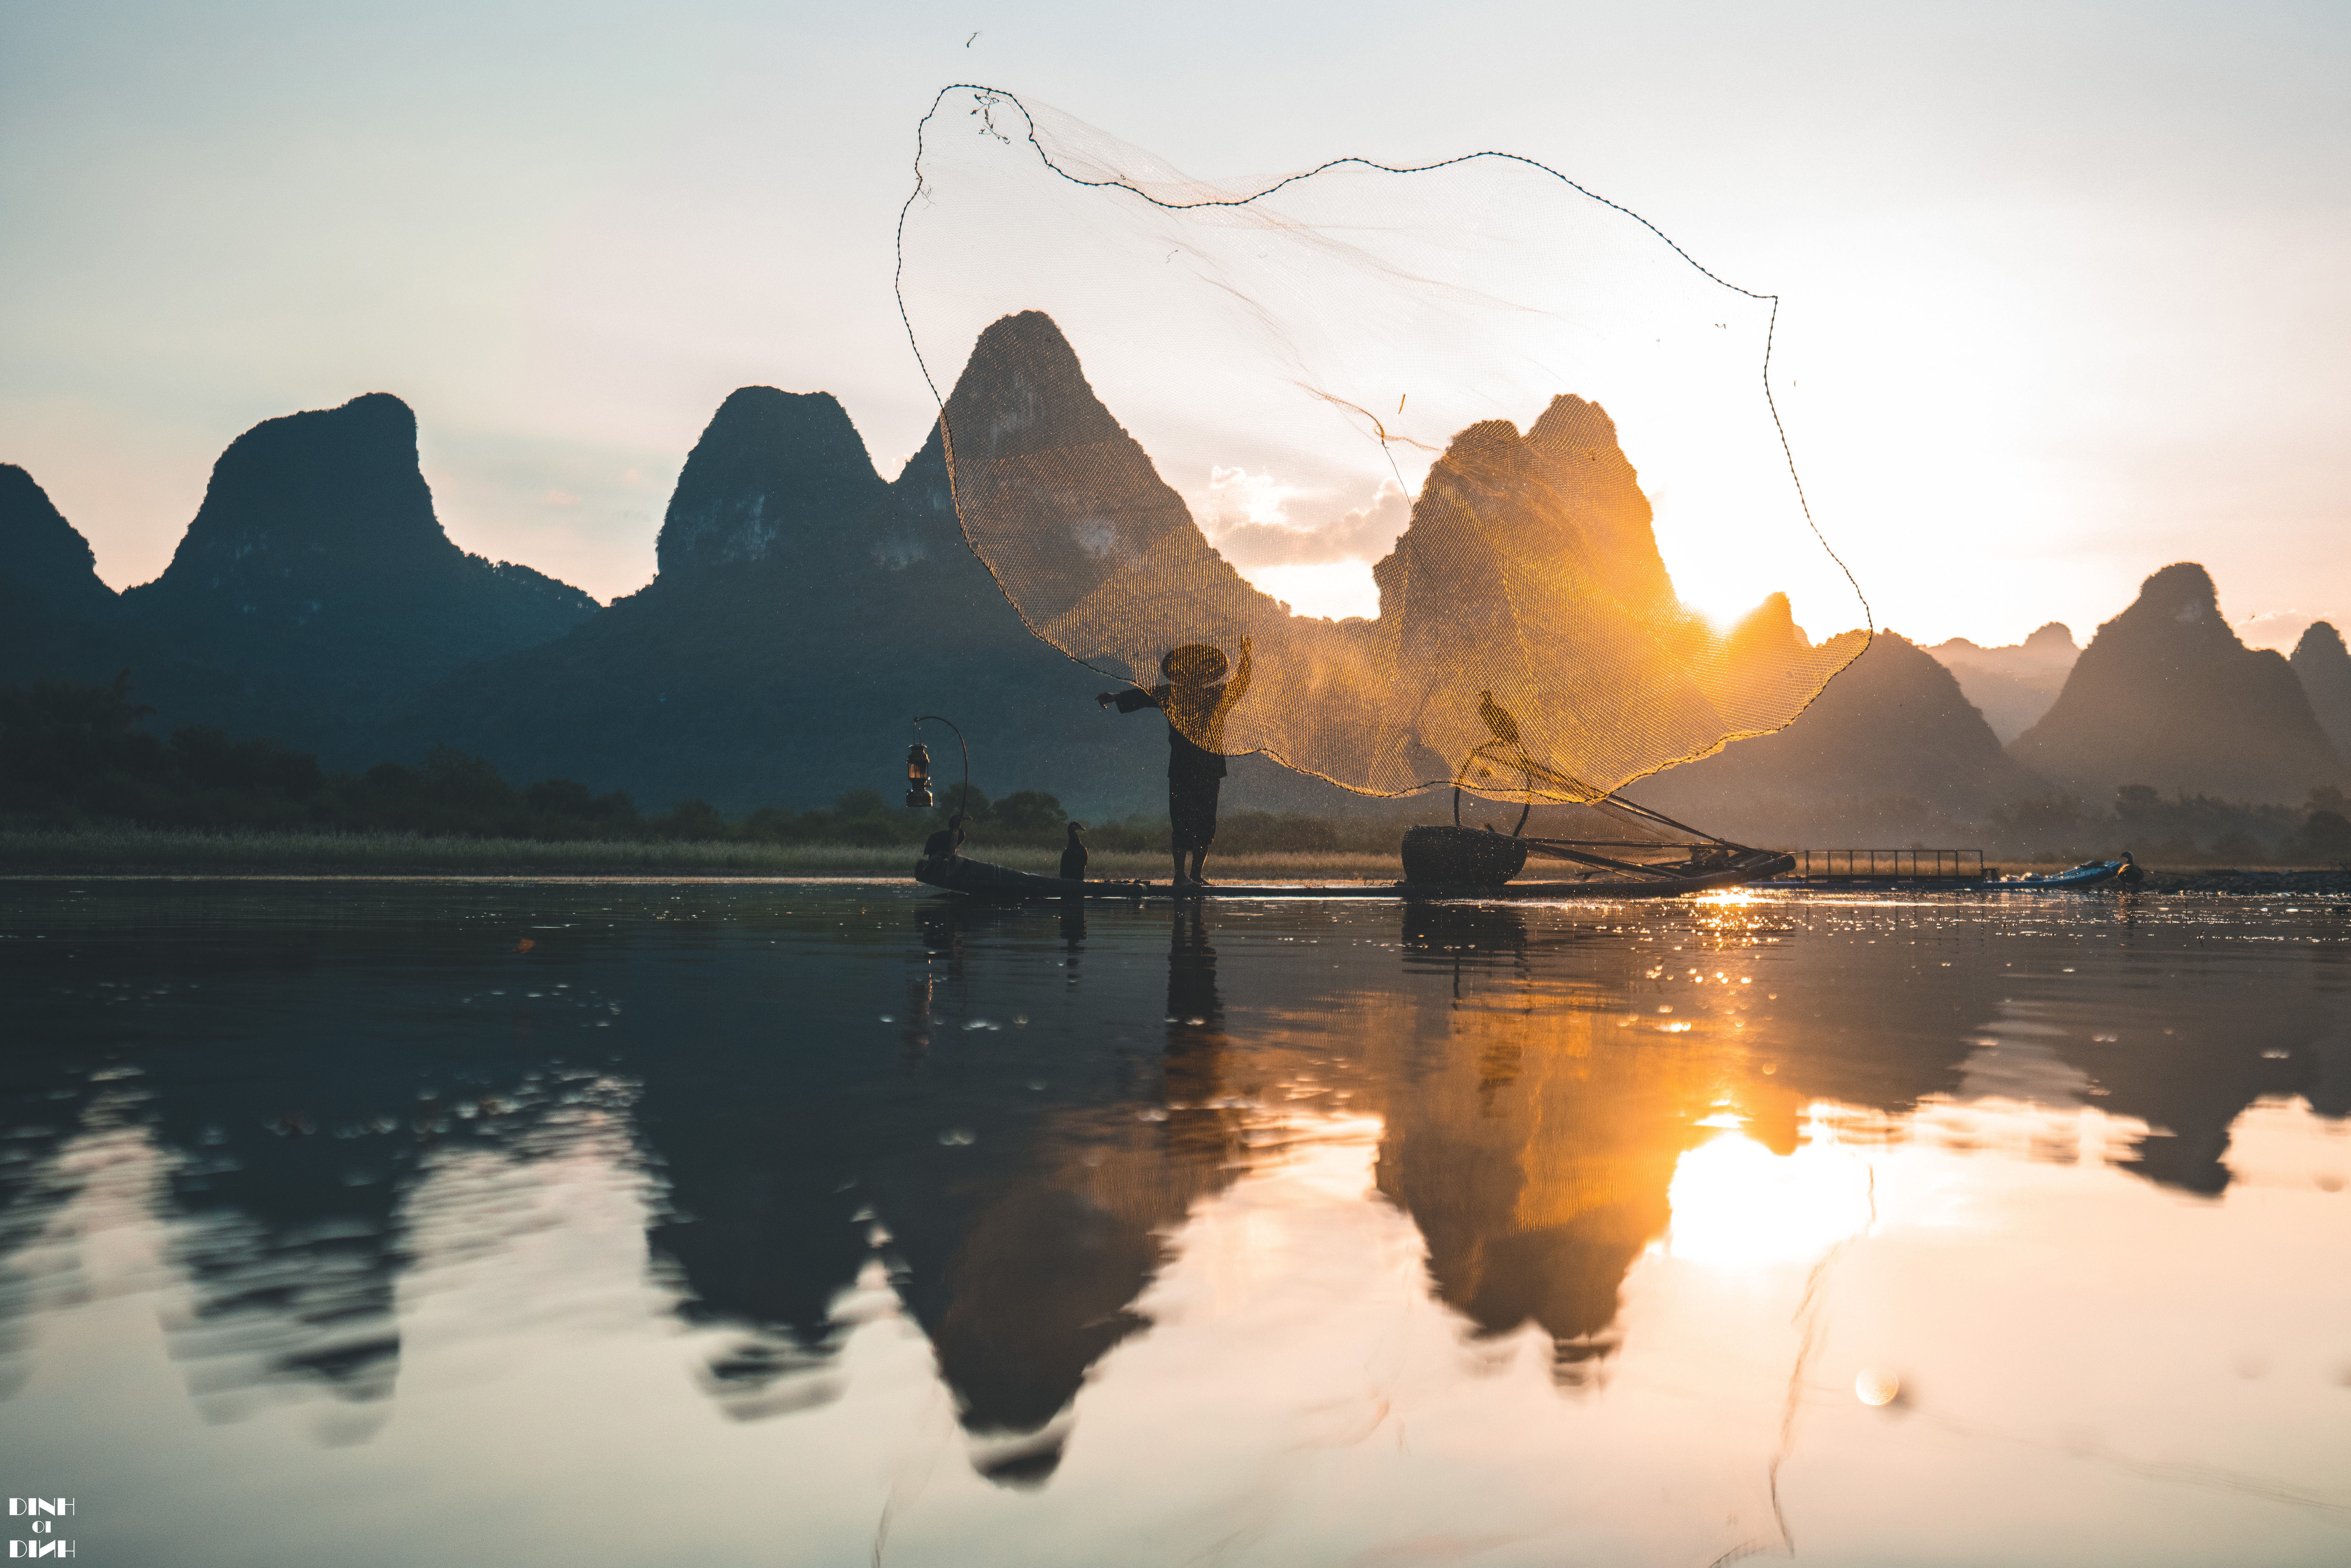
(1236, 688)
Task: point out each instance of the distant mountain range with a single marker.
(805, 609)
(2012, 686)
(1890, 752)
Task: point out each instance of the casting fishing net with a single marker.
(1474, 391)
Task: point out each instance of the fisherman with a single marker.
(1196, 697)
(1073, 855)
(946, 844)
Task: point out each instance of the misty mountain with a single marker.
(2323, 666)
(2015, 684)
(1892, 747)
(2166, 696)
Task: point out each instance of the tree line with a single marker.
(73, 756)
(2185, 828)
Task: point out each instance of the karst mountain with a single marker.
(314, 592)
(2323, 666)
(56, 616)
(2166, 696)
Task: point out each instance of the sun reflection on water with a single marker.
(1736, 1204)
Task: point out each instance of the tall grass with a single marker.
(180, 853)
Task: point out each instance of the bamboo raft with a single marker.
(979, 879)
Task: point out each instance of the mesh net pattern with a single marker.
(1326, 346)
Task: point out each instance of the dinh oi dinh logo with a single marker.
(37, 1517)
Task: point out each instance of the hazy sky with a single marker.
(2064, 285)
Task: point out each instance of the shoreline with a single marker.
(2322, 883)
(150, 854)
(133, 852)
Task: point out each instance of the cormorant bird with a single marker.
(947, 843)
(1498, 719)
(1073, 855)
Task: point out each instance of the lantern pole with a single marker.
(921, 718)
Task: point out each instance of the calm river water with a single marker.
(641, 1224)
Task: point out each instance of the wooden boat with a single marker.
(978, 879)
(2089, 874)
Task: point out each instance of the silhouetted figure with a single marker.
(1196, 698)
(1073, 855)
(1498, 719)
(1508, 749)
(947, 843)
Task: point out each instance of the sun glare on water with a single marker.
(1738, 1204)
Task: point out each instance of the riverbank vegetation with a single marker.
(83, 788)
(162, 851)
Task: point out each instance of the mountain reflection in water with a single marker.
(1565, 1226)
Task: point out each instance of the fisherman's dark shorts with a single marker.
(1192, 811)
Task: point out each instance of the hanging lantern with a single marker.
(918, 775)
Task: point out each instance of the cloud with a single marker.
(2279, 629)
(1247, 517)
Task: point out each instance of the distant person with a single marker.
(947, 843)
(1196, 697)
(1073, 855)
